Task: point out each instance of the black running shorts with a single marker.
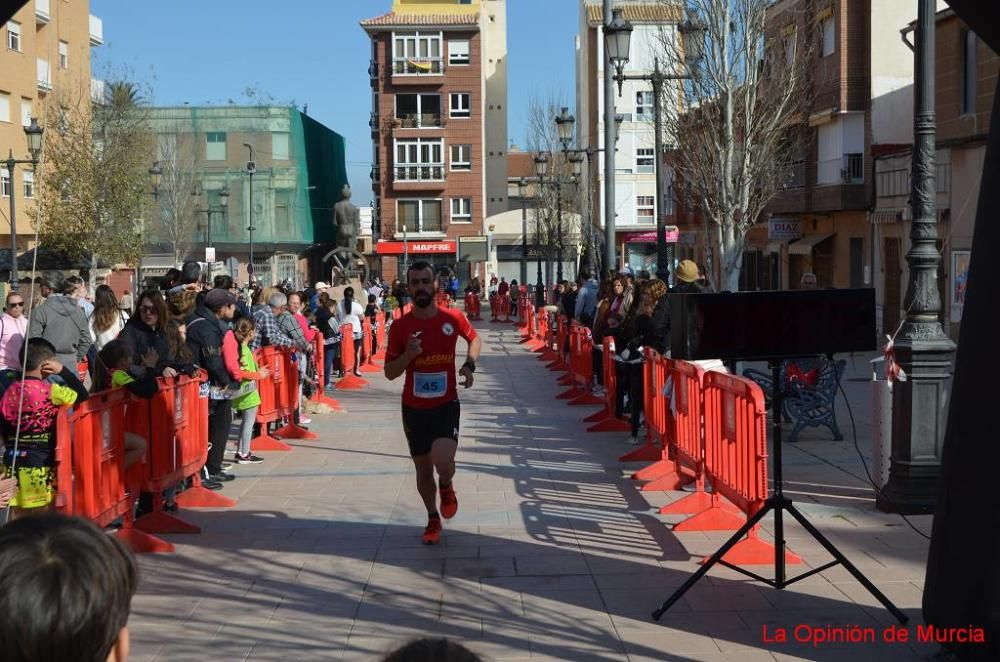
(423, 426)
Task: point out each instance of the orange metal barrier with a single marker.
(581, 368)
(367, 351)
(83, 370)
(500, 306)
(442, 300)
(288, 397)
(605, 420)
(380, 336)
(472, 307)
(735, 464)
(270, 400)
(319, 394)
(654, 375)
(349, 380)
(562, 329)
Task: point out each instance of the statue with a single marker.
(347, 220)
(349, 265)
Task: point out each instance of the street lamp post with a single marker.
(33, 133)
(522, 190)
(223, 206)
(251, 169)
(541, 168)
(618, 36)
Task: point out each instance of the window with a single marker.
(419, 160)
(14, 35)
(63, 55)
(418, 111)
(215, 146)
(279, 146)
(645, 210)
(418, 216)
(461, 210)
(461, 104)
(458, 51)
(465, 2)
(461, 157)
(29, 183)
(4, 107)
(644, 160)
(26, 112)
(4, 183)
(416, 53)
(788, 44)
(282, 206)
(826, 31)
(644, 106)
(968, 72)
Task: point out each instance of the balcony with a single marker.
(99, 91)
(422, 121)
(44, 76)
(373, 70)
(373, 122)
(416, 70)
(418, 177)
(96, 31)
(42, 14)
(795, 175)
(849, 169)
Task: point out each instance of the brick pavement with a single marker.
(554, 554)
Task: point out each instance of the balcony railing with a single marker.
(848, 169)
(44, 76)
(425, 172)
(42, 13)
(418, 66)
(373, 69)
(373, 120)
(422, 121)
(96, 31)
(428, 225)
(795, 175)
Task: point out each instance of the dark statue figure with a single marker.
(347, 220)
(348, 265)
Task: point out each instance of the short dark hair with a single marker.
(66, 589)
(419, 265)
(190, 272)
(371, 298)
(585, 274)
(222, 282)
(39, 351)
(70, 284)
(170, 279)
(432, 650)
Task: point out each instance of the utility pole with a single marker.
(609, 152)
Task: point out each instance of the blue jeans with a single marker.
(331, 355)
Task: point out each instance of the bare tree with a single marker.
(177, 197)
(94, 182)
(734, 121)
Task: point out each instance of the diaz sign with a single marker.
(783, 229)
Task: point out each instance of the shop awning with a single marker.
(886, 216)
(773, 247)
(806, 244)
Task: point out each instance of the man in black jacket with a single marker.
(205, 328)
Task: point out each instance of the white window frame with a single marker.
(643, 154)
(827, 31)
(462, 211)
(25, 111)
(420, 216)
(644, 203)
(420, 109)
(419, 164)
(63, 54)
(460, 112)
(4, 183)
(4, 107)
(225, 139)
(14, 36)
(28, 179)
(276, 137)
(459, 59)
(460, 164)
(403, 65)
(644, 105)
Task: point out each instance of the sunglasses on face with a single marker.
(15, 304)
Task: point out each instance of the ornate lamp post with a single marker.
(251, 169)
(222, 208)
(618, 35)
(541, 168)
(522, 191)
(33, 133)
(155, 175)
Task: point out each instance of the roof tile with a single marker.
(639, 12)
(393, 19)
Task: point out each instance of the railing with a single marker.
(373, 120)
(424, 172)
(373, 69)
(414, 228)
(96, 31)
(848, 169)
(795, 175)
(44, 75)
(421, 121)
(414, 66)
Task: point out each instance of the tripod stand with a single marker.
(778, 503)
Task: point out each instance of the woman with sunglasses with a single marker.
(13, 328)
(143, 334)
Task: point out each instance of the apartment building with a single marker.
(439, 127)
(299, 170)
(859, 108)
(636, 205)
(44, 66)
(966, 72)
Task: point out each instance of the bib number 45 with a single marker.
(429, 384)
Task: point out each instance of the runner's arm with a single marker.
(475, 347)
(397, 355)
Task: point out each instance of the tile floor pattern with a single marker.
(555, 553)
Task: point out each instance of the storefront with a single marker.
(639, 249)
(509, 264)
(396, 255)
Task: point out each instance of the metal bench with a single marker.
(803, 404)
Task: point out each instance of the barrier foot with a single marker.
(647, 453)
(598, 416)
(265, 442)
(668, 482)
(689, 505)
(656, 470)
(588, 399)
(351, 382)
(610, 424)
(161, 522)
(716, 518)
(566, 380)
(556, 365)
(570, 394)
(293, 431)
(324, 399)
(143, 543)
(754, 551)
(369, 367)
(197, 496)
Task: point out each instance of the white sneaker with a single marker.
(633, 441)
(305, 420)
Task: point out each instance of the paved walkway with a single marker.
(554, 554)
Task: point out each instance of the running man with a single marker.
(422, 344)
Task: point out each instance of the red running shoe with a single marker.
(432, 532)
(449, 502)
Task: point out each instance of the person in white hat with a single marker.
(319, 288)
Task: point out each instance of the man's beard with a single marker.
(422, 299)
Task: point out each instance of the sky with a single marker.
(210, 51)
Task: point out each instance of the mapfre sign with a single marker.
(783, 229)
(416, 247)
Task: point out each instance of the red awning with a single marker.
(416, 247)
